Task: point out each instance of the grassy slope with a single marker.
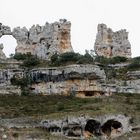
(58, 106)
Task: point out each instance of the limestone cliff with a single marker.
(110, 44)
(79, 80)
(42, 41)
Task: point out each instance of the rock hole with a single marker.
(92, 128)
(111, 125)
(9, 43)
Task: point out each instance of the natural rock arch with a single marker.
(8, 40)
(42, 41)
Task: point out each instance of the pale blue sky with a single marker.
(83, 14)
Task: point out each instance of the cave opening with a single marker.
(93, 93)
(110, 126)
(93, 127)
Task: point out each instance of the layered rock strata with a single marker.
(80, 80)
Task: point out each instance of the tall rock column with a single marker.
(111, 44)
(44, 41)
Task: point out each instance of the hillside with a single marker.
(37, 108)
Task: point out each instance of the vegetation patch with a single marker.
(71, 58)
(28, 59)
(56, 105)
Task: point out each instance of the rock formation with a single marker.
(2, 55)
(5, 30)
(111, 44)
(109, 126)
(83, 127)
(79, 80)
(42, 41)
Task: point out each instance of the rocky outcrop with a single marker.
(83, 81)
(109, 126)
(2, 55)
(42, 41)
(80, 80)
(5, 30)
(9, 69)
(110, 44)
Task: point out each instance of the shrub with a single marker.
(31, 61)
(117, 59)
(101, 59)
(28, 59)
(71, 57)
(19, 56)
(54, 58)
(105, 61)
(85, 59)
(135, 64)
(23, 83)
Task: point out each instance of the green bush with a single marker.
(23, 82)
(54, 58)
(135, 64)
(117, 59)
(71, 58)
(114, 60)
(19, 56)
(101, 59)
(31, 61)
(28, 59)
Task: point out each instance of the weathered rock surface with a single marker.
(5, 30)
(81, 80)
(43, 41)
(2, 55)
(8, 70)
(109, 126)
(110, 44)
(78, 80)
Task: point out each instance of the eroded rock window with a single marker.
(9, 44)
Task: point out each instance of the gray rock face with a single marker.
(9, 70)
(2, 55)
(72, 79)
(42, 41)
(110, 44)
(5, 30)
(109, 126)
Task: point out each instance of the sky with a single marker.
(84, 15)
